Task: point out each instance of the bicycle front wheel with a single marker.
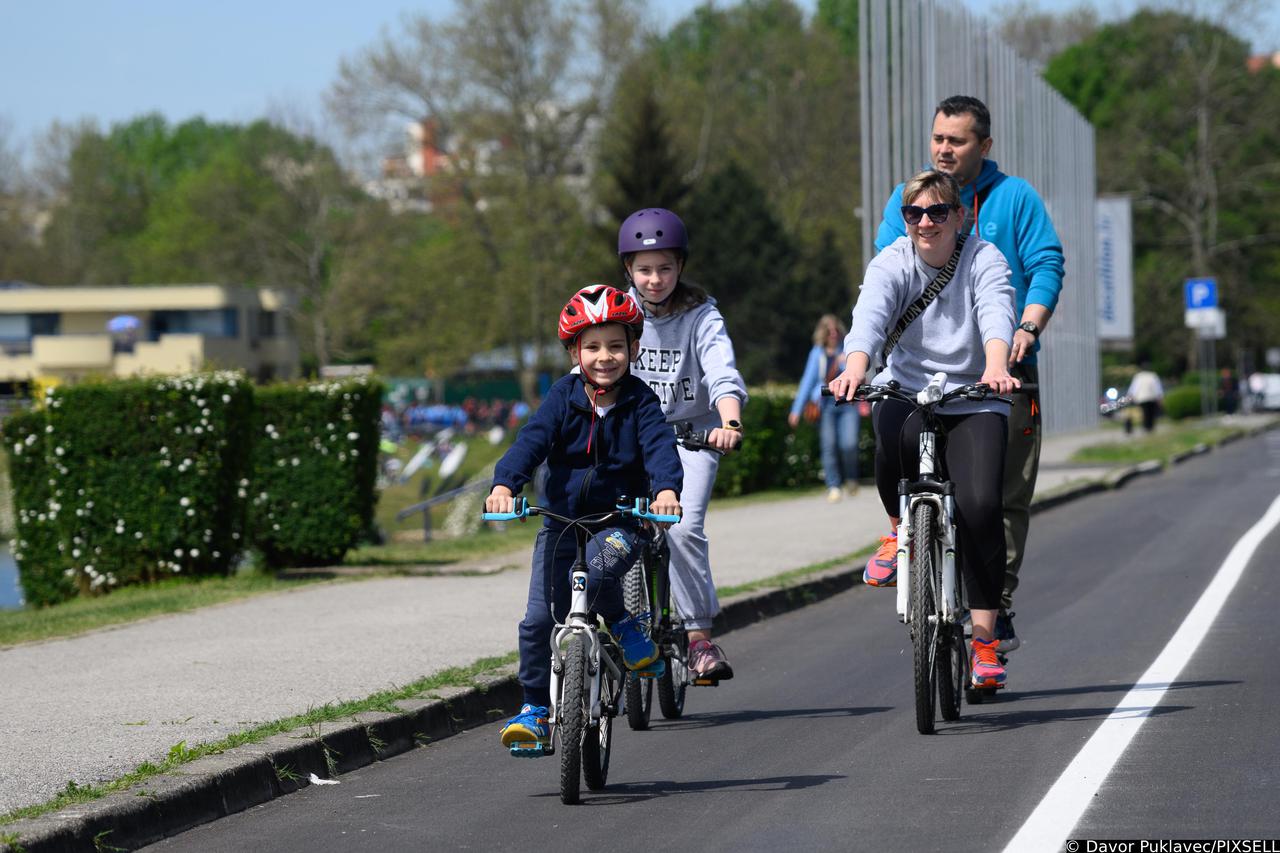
(639, 698)
(924, 621)
(572, 723)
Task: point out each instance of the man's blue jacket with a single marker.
(633, 449)
(1012, 216)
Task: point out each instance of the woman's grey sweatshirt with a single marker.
(976, 306)
(687, 359)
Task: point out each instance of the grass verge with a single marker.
(180, 753)
(1161, 445)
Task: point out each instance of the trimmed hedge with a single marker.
(774, 456)
(1182, 402)
(125, 482)
(315, 463)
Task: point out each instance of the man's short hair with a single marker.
(966, 105)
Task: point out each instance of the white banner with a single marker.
(1115, 268)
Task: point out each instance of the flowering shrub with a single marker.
(128, 481)
(315, 457)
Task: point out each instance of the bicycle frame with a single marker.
(940, 493)
(579, 620)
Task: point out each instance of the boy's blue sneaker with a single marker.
(638, 651)
(529, 732)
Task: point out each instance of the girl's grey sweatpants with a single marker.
(691, 586)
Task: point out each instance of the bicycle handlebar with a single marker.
(973, 391)
(638, 509)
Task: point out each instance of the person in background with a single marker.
(1146, 390)
(837, 425)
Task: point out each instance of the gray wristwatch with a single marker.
(1028, 326)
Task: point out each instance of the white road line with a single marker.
(1049, 825)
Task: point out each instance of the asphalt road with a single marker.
(813, 746)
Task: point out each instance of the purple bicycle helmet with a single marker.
(650, 229)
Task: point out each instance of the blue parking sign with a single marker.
(1202, 293)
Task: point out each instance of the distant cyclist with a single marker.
(1006, 211)
(964, 331)
(687, 358)
(602, 434)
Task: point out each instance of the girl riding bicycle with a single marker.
(603, 437)
(687, 358)
(965, 331)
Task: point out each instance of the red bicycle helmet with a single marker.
(595, 305)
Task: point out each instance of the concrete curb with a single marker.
(220, 785)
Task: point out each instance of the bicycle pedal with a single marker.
(706, 682)
(529, 750)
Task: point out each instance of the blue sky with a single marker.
(228, 61)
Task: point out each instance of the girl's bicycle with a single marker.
(587, 670)
(647, 590)
(930, 590)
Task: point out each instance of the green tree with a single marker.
(640, 165)
(753, 83)
(1185, 128)
(511, 90)
(746, 260)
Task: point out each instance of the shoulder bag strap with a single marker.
(931, 291)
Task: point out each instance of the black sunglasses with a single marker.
(938, 213)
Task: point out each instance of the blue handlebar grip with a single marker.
(665, 519)
(500, 516)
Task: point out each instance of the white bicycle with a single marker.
(930, 590)
(587, 670)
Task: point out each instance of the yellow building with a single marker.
(63, 333)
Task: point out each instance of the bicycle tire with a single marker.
(953, 663)
(597, 738)
(924, 634)
(572, 721)
(673, 684)
(639, 691)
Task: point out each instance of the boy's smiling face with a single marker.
(604, 353)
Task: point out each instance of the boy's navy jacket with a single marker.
(633, 449)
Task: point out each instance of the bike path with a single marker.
(94, 707)
(814, 747)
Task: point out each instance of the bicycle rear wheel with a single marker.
(573, 712)
(675, 681)
(639, 698)
(597, 738)
(953, 670)
(924, 622)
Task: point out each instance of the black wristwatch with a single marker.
(732, 424)
(1028, 326)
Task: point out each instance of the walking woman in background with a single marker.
(837, 425)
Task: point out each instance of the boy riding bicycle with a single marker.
(602, 433)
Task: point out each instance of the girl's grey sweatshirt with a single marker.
(976, 306)
(687, 359)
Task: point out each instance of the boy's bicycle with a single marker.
(930, 590)
(647, 589)
(587, 670)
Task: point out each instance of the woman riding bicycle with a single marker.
(965, 331)
(603, 436)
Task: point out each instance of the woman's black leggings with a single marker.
(971, 454)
